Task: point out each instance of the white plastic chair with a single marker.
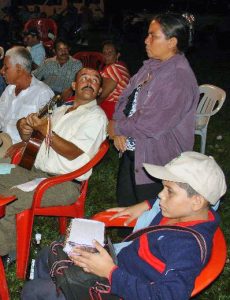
(210, 103)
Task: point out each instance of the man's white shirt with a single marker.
(13, 108)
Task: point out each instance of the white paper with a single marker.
(30, 185)
(83, 232)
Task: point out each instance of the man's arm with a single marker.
(61, 146)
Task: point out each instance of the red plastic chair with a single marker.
(25, 218)
(4, 293)
(90, 59)
(44, 26)
(210, 272)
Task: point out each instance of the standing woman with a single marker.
(154, 120)
(115, 78)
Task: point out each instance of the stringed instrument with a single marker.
(33, 145)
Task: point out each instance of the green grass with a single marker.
(209, 68)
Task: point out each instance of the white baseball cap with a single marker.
(200, 171)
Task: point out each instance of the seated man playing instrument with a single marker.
(77, 133)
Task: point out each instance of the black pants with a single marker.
(42, 287)
(128, 192)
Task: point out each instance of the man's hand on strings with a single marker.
(36, 123)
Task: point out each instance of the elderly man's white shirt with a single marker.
(13, 108)
(85, 127)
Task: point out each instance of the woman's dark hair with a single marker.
(175, 25)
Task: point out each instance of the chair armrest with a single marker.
(49, 182)
(105, 216)
(6, 199)
(3, 201)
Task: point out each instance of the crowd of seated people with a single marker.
(151, 121)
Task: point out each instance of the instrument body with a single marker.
(34, 143)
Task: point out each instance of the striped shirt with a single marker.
(120, 74)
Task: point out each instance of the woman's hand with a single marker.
(100, 263)
(120, 142)
(133, 211)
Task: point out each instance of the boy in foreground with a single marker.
(162, 264)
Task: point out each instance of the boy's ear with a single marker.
(73, 85)
(198, 202)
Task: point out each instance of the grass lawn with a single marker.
(209, 67)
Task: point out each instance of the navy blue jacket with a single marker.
(162, 265)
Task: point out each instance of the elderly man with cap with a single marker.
(161, 262)
(24, 94)
(35, 46)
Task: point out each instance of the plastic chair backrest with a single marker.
(208, 104)
(210, 272)
(90, 59)
(215, 265)
(44, 27)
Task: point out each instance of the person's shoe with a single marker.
(4, 260)
(8, 260)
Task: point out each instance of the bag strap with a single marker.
(198, 236)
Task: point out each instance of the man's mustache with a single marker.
(87, 87)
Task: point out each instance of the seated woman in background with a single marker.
(115, 78)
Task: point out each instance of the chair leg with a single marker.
(62, 224)
(2, 211)
(4, 293)
(24, 231)
(203, 140)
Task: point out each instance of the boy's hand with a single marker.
(100, 263)
(133, 211)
